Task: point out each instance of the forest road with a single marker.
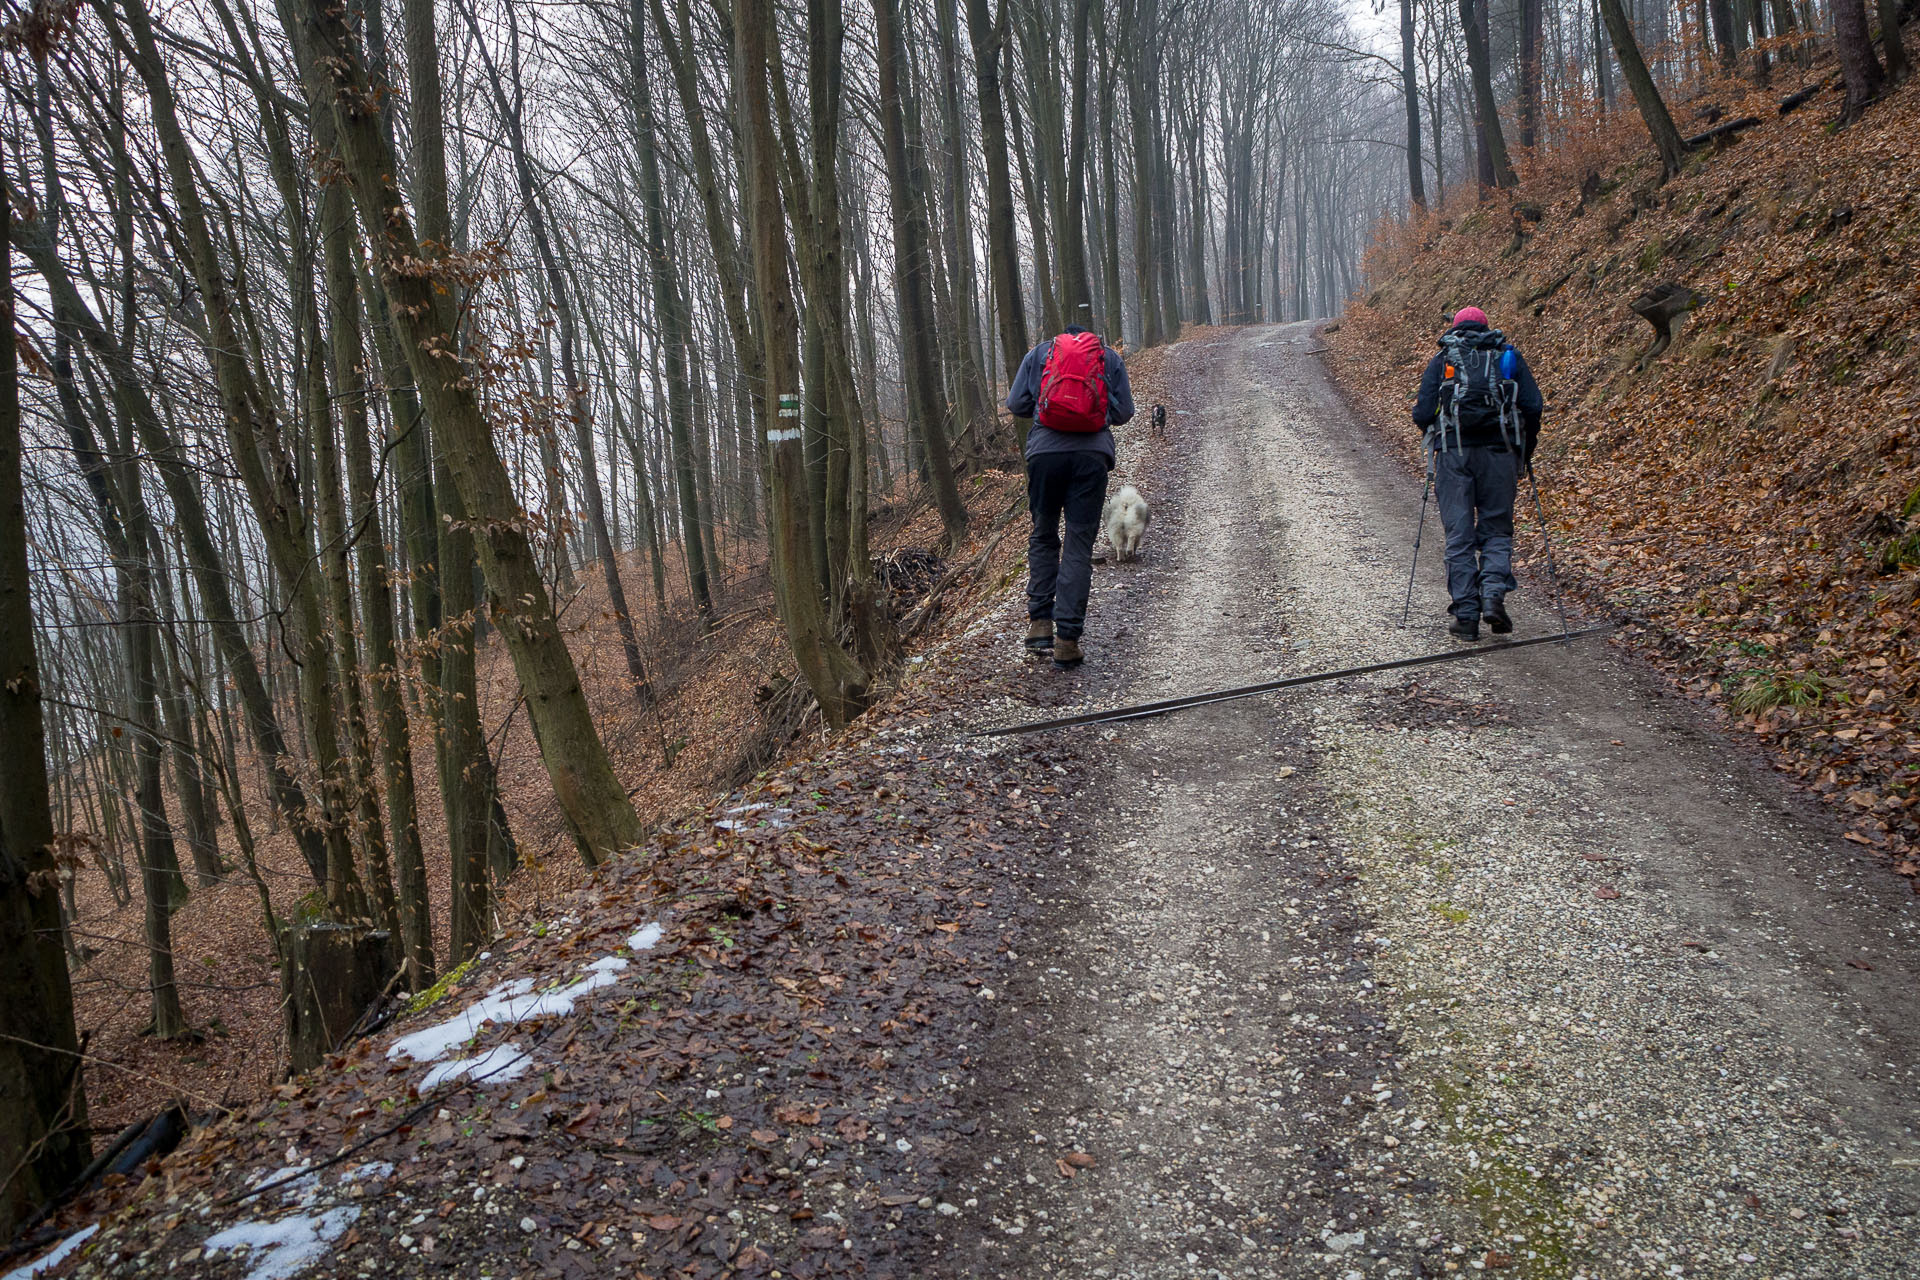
(1518, 966)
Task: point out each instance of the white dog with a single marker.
(1125, 518)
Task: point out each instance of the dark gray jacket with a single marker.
(1434, 395)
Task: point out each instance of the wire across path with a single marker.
(1145, 709)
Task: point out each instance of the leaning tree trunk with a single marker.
(1633, 69)
(251, 439)
(592, 799)
(43, 1108)
(579, 394)
(190, 521)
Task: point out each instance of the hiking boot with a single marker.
(1039, 635)
(1066, 653)
(1464, 628)
(1496, 615)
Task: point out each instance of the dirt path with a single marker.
(1520, 967)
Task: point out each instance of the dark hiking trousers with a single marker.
(1073, 485)
(1475, 488)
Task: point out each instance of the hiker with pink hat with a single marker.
(1480, 409)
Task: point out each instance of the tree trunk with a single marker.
(376, 591)
(190, 520)
(670, 316)
(1530, 25)
(833, 675)
(1003, 246)
(1720, 18)
(1603, 81)
(1853, 43)
(1495, 169)
(578, 394)
(1898, 67)
(1113, 311)
(911, 281)
(1077, 302)
(1410, 90)
(264, 471)
(43, 1106)
(591, 797)
(330, 502)
(1633, 69)
(1034, 196)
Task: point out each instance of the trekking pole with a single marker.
(1553, 576)
(1426, 491)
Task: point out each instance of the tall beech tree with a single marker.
(43, 1108)
(596, 806)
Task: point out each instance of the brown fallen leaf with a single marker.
(1079, 1159)
(663, 1222)
(1606, 893)
(1861, 965)
(1496, 1259)
(949, 927)
(1066, 1170)
(764, 1135)
(1594, 857)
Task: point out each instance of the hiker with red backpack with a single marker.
(1480, 409)
(1074, 387)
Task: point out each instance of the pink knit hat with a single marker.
(1469, 315)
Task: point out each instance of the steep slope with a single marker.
(1751, 497)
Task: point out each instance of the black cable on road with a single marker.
(1247, 691)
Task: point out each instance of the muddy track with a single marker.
(1516, 967)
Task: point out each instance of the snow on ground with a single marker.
(285, 1246)
(507, 1004)
(497, 1065)
(54, 1256)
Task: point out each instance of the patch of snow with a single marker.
(509, 1003)
(287, 1246)
(300, 1188)
(439, 1039)
(372, 1169)
(54, 1256)
(497, 1065)
(646, 937)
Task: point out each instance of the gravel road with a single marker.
(1518, 966)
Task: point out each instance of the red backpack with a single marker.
(1073, 385)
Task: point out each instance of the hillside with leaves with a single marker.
(1750, 497)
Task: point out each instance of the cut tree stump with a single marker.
(1662, 306)
(330, 976)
